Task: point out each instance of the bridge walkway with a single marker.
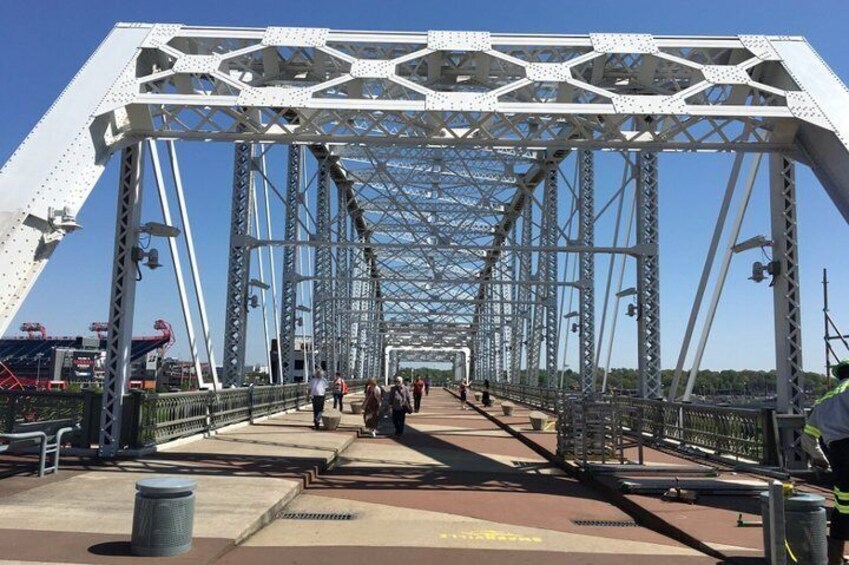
(456, 488)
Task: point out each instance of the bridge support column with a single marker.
(790, 385)
(586, 236)
(504, 324)
(290, 271)
(524, 293)
(122, 299)
(648, 277)
(238, 270)
(322, 286)
(550, 237)
(342, 294)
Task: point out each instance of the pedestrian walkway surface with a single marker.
(455, 488)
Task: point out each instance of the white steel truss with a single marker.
(436, 185)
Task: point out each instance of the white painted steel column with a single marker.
(122, 299)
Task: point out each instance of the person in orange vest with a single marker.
(418, 390)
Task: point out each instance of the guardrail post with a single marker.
(210, 411)
(10, 413)
(251, 404)
(769, 437)
(132, 421)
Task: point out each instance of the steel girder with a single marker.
(524, 293)
(586, 231)
(290, 271)
(550, 235)
(122, 300)
(648, 277)
(323, 289)
(238, 270)
(790, 385)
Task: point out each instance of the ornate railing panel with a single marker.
(36, 406)
(739, 433)
(169, 416)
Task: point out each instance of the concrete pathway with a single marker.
(455, 488)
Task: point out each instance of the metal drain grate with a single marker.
(335, 516)
(606, 523)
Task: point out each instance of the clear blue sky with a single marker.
(44, 43)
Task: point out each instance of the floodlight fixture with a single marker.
(751, 243)
(157, 229)
(631, 291)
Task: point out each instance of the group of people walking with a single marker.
(397, 401)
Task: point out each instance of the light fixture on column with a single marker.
(153, 229)
(632, 310)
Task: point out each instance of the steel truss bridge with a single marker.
(437, 189)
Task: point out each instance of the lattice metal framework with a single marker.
(445, 150)
(586, 231)
(122, 300)
(238, 270)
(648, 277)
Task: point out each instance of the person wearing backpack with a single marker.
(340, 389)
(401, 404)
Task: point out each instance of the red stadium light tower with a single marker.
(33, 329)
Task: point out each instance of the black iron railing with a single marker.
(154, 418)
(165, 417)
(537, 397)
(721, 431)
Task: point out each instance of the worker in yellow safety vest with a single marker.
(828, 427)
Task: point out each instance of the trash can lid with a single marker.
(165, 485)
(801, 501)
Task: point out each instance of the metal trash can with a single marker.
(805, 527)
(163, 516)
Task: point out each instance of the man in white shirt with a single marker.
(318, 390)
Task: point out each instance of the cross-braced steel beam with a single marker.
(322, 288)
(787, 302)
(122, 300)
(290, 271)
(549, 236)
(648, 277)
(586, 237)
(238, 269)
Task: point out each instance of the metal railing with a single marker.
(155, 418)
(721, 431)
(18, 407)
(537, 397)
(740, 433)
(165, 417)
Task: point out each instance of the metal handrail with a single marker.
(722, 431)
